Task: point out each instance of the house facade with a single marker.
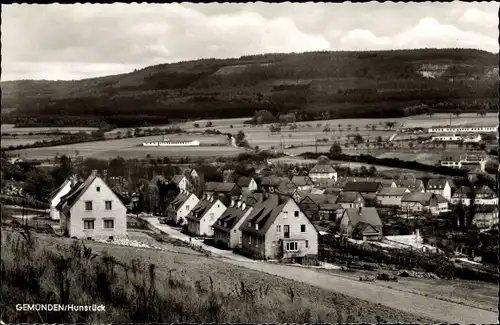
(415, 202)
(92, 210)
(227, 233)
(203, 216)
(180, 207)
(391, 196)
(485, 216)
(278, 229)
(485, 196)
(322, 171)
(361, 223)
(462, 195)
(181, 182)
(439, 186)
(350, 200)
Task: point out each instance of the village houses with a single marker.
(303, 183)
(391, 196)
(424, 202)
(361, 223)
(350, 200)
(485, 196)
(271, 184)
(204, 214)
(440, 186)
(230, 190)
(181, 182)
(277, 228)
(92, 209)
(181, 206)
(485, 216)
(463, 195)
(320, 207)
(367, 189)
(322, 171)
(227, 233)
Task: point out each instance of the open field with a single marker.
(187, 279)
(131, 148)
(23, 139)
(9, 128)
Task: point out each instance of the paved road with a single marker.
(433, 308)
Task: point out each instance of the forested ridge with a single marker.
(313, 85)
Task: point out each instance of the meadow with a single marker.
(146, 285)
(10, 128)
(23, 139)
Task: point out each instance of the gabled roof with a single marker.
(201, 208)
(253, 198)
(321, 198)
(348, 197)
(302, 180)
(219, 187)
(462, 191)
(369, 216)
(436, 183)
(484, 190)
(392, 191)
(264, 215)
(177, 179)
(418, 197)
(55, 192)
(363, 186)
(486, 208)
(273, 180)
(231, 217)
(322, 169)
(411, 184)
(180, 199)
(244, 181)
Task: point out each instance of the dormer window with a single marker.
(98, 188)
(256, 226)
(249, 224)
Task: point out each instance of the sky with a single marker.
(64, 42)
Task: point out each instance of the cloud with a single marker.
(77, 41)
(427, 33)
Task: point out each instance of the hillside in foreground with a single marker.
(312, 85)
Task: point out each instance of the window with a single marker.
(285, 214)
(88, 206)
(108, 205)
(98, 188)
(187, 207)
(278, 228)
(302, 228)
(292, 246)
(88, 224)
(109, 224)
(296, 213)
(307, 243)
(286, 231)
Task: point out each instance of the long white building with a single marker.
(471, 129)
(169, 143)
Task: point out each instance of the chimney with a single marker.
(105, 175)
(232, 203)
(94, 172)
(417, 235)
(239, 204)
(243, 206)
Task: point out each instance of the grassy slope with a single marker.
(188, 288)
(339, 82)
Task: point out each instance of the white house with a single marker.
(204, 214)
(444, 138)
(322, 171)
(440, 186)
(468, 129)
(181, 206)
(182, 182)
(278, 229)
(362, 223)
(227, 233)
(93, 210)
(58, 194)
(391, 196)
(247, 184)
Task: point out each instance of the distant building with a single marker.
(350, 200)
(271, 184)
(470, 129)
(303, 183)
(361, 223)
(446, 138)
(247, 184)
(367, 189)
(230, 190)
(320, 207)
(462, 196)
(440, 186)
(485, 216)
(322, 171)
(204, 214)
(391, 196)
(91, 209)
(181, 206)
(181, 182)
(411, 183)
(424, 202)
(485, 196)
(64, 189)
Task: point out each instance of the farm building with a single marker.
(93, 210)
(227, 233)
(278, 229)
(361, 223)
(204, 214)
(391, 196)
(181, 206)
(367, 189)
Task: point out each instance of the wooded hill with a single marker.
(313, 85)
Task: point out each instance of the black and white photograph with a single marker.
(250, 163)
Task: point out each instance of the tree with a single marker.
(410, 145)
(374, 127)
(62, 171)
(326, 129)
(209, 124)
(430, 112)
(335, 150)
(457, 112)
(240, 136)
(358, 138)
(118, 167)
(196, 125)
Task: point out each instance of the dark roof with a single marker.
(55, 192)
(367, 216)
(322, 169)
(322, 198)
(244, 181)
(329, 206)
(219, 187)
(302, 180)
(264, 215)
(254, 198)
(363, 186)
(231, 217)
(287, 188)
(325, 182)
(484, 190)
(411, 184)
(348, 197)
(463, 191)
(180, 199)
(274, 180)
(333, 190)
(422, 198)
(436, 183)
(392, 191)
(199, 209)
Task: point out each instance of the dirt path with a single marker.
(433, 308)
